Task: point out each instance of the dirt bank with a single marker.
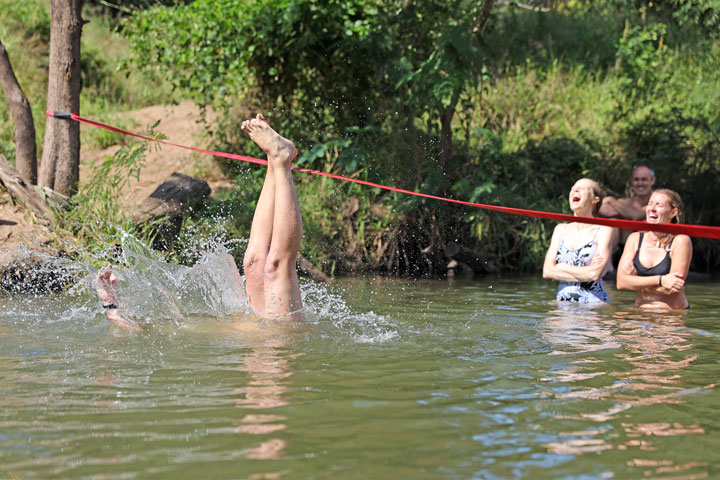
(180, 123)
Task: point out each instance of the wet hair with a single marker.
(652, 171)
(675, 202)
(598, 191)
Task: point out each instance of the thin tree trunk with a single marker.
(446, 118)
(484, 15)
(25, 147)
(60, 166)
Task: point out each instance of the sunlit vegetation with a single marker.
(504, 105)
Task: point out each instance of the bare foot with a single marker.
(280, 150)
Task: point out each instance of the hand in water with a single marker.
(106, 285)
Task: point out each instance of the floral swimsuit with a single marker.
(580, 292)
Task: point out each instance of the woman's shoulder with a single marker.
(605, 230)
(632, 243)
(633, 238)
(681, 241)
(560, 227)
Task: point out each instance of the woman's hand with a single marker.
(597, 260)
(673, 282)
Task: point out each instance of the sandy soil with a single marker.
(179, 123)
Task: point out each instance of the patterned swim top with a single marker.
(580, 292)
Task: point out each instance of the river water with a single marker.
(389, 378)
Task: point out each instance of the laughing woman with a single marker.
(661, 285)
(579, 252)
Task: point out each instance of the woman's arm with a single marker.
(563, 272)
(680, 256)
(627, 277)
(673, 282)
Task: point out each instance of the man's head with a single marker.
(643, 179)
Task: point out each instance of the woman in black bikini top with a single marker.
(662, 268)
(656, 264)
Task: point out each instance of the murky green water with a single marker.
(390, 379)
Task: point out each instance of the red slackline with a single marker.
(674, 228)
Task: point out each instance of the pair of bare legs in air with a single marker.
(271, 279)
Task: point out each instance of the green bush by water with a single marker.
(365, 88)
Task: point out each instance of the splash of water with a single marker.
(161, 293)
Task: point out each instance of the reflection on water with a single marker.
(651, 352)
(388, 379)
(268, 368)
(577, 329)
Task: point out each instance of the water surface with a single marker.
(389, 379)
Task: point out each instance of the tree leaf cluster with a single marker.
(495, 104)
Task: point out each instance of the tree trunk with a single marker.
(25, 147)
(446, 118)
(446, 115)
(60, 167)
(484, 15)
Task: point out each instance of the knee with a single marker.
(277, 265)
(253, 262)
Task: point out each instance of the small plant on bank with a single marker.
(96, 218)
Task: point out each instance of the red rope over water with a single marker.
(674, 228)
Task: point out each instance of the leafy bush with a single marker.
(416, 96)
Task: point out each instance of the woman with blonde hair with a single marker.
(656, 264)
(579, 252)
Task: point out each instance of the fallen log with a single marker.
(478, 262)
(167, 206)
(25, 194)
(311, 270)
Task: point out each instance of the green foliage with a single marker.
(701, 13)
(641, 55)
(294, 55)
(96, 219)
(365, 88)
(29, 19)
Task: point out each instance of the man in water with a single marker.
(631, 208)
(271, 279)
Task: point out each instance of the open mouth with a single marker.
(575, 198)
(652, 216)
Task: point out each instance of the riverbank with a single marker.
(26, 240)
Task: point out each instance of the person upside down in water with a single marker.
(271, 281)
